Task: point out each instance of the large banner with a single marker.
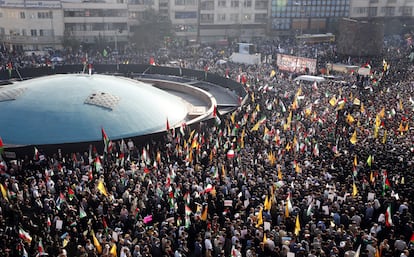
(295, 63)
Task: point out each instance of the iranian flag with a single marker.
(388, 217)
(40, 248)
(25, 236)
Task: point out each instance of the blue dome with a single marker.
(73, 108)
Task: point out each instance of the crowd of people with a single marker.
(318, 169)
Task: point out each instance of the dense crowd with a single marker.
(299, 169)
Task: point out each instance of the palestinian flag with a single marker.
(71, 193)
(107, 142)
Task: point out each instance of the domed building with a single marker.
(72, 108)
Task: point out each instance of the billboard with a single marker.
(293, 63)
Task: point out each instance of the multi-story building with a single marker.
(306, 16)
(39, 24)
(241, 20)
(396, 15)
(31, 24)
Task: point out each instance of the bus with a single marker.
(316, 38)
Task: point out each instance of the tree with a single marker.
(69, 41)
(152, 31)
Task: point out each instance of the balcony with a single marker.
(32, 39)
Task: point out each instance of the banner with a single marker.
(293, 63)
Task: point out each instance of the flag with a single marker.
(40, 247)
(288, 206)
(354, 189)
(98, 165)
(48, 222)
(355, 161)
(25, 254)
(25, 236)
(309, 210)
(412, 238)
(71, 193)
(369, 160)
(82, 213)
(259, 217)
(203, 216)
(353, 139)
(4, 192)
(388, 217)
(36, 154)
(102, 189)
(107, 142)
(297, 226)
(168, 125)
(113, 251)
(96, 243)
(267, 203)
(1, 146)
(257, 125)
(358, 251)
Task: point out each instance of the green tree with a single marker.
(69, 41)
(152, 31)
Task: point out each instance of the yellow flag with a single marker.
(362, 109)
(258, 108)
(113, 251)
(353, 139)
(288, 146)
(223, 171)
(4, 192)
(252, 97)
(96, 243)
(382, 113)
(350, 119)
(333, 101)
(242, 138)
(267, 203)
(369, 160)
(377, 121)
(401, 128)
(203, 216)
(371, 177)
(357, 101)
(355, 161)
(354, 189)
(279, 173)
(272, 73)
(102, 189)
(260, 217)
(401, 105)
(297, 226)
(264, 238)
(233, 117)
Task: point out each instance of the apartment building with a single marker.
(396, 15)
(39, 24)
(306, 16)
(26, 24)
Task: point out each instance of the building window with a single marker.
(185, 2)
(388, 11)
(185, 15)
(22, 15)
(407, 11)
(207, 18)
(260, 17)
(261, 5)
(33, 32)
(373, 1)
(221, 17)
(247, 3)
(234, 17)
(44, 15)
(221, 3)
(207, 5)
(372, 11)
(234, 3)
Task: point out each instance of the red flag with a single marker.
(168, 125)
(1, 146)
(40, 247)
